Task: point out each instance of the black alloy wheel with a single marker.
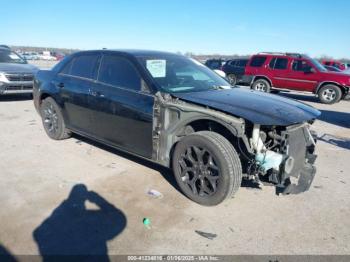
(207, 167)
(52, 119)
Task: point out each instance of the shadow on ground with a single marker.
(341, 119)
(5, 255)
(15, 98)
(336, 141)
(250, 184)
(302, 97)
(78, 233)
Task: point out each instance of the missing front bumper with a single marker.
(300, 184)
(298, 177)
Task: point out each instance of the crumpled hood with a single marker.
(17, 68)
(257, 107)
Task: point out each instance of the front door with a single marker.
(302, 76)
(122, 108)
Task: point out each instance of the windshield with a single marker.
(174, 74)
(8, 56)
(318, 65)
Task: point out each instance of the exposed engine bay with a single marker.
(280, 155)
(284, 156)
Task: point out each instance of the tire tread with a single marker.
(231, 155)
(338, 91)
(65, 133)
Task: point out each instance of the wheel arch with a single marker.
(257, 77)
(203, 123)
(174, 118)
(322, 84)
(43, 96)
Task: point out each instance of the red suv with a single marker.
(266, 71)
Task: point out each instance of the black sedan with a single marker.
(178, 113)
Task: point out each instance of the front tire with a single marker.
(53, 121)
(207, 168)
(261, 85)
(329, 94)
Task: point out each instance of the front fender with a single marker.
(171, 116)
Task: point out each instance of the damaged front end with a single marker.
(277, 154)
(283, 156)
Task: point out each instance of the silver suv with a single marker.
(16, 75)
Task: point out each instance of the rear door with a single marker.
(74, 83)
(228, 67)
(122, 106)
(278, 71)
(239, 69)
(302, 76)
(256, 65)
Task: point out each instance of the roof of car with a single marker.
(4, 48)
(238, 59)
(279, 54)
(134, 52)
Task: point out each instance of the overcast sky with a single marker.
(315, 27)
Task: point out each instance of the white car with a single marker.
(47, 57)
(220, 73)
(30, 56)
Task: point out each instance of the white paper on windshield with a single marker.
(14, 56)
(157, 68)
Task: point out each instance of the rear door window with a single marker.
(120, 72)
(258, 61)
(85, 66)
(279, 63)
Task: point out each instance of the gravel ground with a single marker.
(45, 204)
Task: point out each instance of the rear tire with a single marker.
(261, 85)
(329, 94)
(207, 168)
(232, 79)
(52, 119)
